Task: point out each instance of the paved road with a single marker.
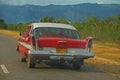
(9, 59)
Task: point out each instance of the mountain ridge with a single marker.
(79, 12)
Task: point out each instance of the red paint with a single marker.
(22, 50)
(61, 42)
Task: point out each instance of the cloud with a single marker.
(13, 2)
(58, 2)
(40, 2)
(100, 2)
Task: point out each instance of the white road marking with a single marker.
(4, 69)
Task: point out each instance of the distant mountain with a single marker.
(79, 12)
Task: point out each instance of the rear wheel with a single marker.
(76, 65)
(22, 59)
(31, 63)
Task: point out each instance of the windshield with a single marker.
(56, 32)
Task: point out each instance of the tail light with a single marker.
(33, 41)
(89, 44)
(35, 44)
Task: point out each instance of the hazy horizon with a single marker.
(57, 2)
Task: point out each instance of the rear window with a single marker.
(56, 32)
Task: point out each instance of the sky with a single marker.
(57, 2)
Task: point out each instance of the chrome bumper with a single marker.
(46, 55)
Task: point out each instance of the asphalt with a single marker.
(19, 71)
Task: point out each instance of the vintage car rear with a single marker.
(55, 42)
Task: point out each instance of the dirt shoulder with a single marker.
(107, 56)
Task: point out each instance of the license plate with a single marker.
(61, 50)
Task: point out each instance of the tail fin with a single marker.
(89, 41)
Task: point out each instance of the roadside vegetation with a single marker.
(107, 30)
(106, 34)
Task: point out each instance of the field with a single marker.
(107, 56)
(13, 34)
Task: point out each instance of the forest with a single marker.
(107, 30)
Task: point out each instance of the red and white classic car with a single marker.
(55, 42)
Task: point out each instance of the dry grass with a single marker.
(107, 56)
(13, 34)
(107, 51)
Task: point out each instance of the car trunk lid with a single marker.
(61, 42)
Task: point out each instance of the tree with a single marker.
(62, 20)
(47, 19)
(3, 25)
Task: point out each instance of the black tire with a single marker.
(76, 65)
(22, 59)
(31, 63)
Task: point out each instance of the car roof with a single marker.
(56, 25)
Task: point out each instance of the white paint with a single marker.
(55, 25)
(26, 45)
(4, 69)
